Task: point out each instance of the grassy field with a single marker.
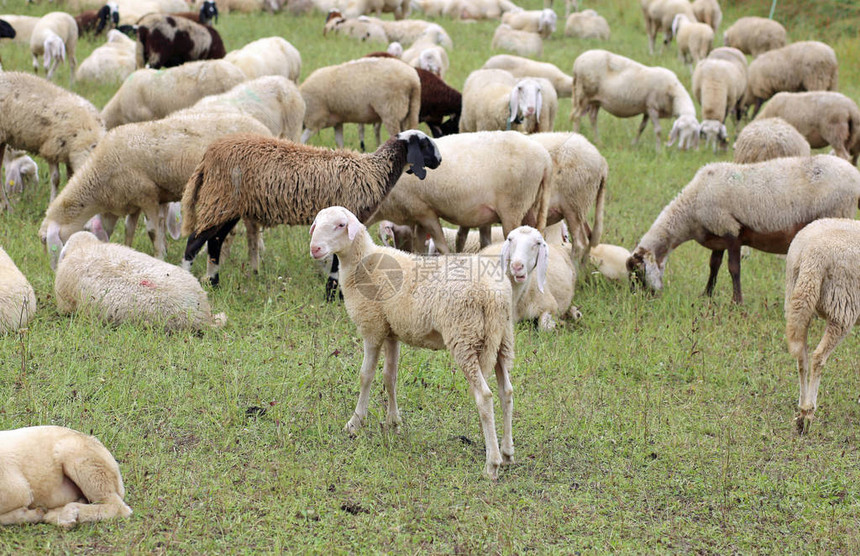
(652, 425)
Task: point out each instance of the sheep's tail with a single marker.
(802, 292)
(219, 320)
(541, 204)
(412, 116)
(597, 229)
(189, 200)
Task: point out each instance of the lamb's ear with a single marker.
(538, 104)
(542, 262)
(353, 225)
(724, 134)
(54, 244)
(673, 134)
(514, 105)
(506, 253)
(174, 219)
(415, 157)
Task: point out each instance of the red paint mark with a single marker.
(147, 284)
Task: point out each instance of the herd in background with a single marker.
(221, 134)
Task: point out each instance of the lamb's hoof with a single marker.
(66, 517)
(392, 425)
(802, 422)
(574, 312)
(353, 425)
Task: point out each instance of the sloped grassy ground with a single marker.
(652, 425)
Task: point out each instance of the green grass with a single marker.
(652, 425)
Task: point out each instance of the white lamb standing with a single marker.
(394, 297)
(118, 284)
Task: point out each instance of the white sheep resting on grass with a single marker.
(57, 475)
(820, 278)
(17, 298)
(762, 205)
(396, 297)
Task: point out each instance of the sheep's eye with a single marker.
(341, 225)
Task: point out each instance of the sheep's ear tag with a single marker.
(415, 157)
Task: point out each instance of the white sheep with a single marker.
(117, 284)
(267, 56)
(149, 94)
(523, 43)
(361, 28)
(20, 170)
(708, 11)
(541, 22)
(800, 66)
(157, 159)
(283, 182)
(718, 85)
(131, 11)
(55, 36)
(578, 185)
(427, 55)
(355, 8)
(820, 279)
(769, 138)
(541, 274)
(273, 100)
(694, 39)
(610, 261)
(822, 117)
(487, 177)
(409, 299)
(524, 67)
(494, 100)
(42, 118)
(58, 475)
(366, 91)
(569, 6)
(23, 25)
(17, 303)
(754, 35)
(111, 62)
(659, 15)
(411, 31)
(762, 205)
(587, 24)
(626, 88)
(478, 9)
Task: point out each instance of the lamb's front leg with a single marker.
(368, 370)
(389, 374)
(641, 129)
(504, 362)
(735, 271)
(716, 262)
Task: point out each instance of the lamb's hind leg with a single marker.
(504, 362)
(389, 374)
(368, 370)
(467, 359)
(716, 262)
(833, 335)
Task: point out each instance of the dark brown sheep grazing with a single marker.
(165, 41)
(268, 182)
(95, 21)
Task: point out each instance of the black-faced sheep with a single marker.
(267, 182)
(762, 205)
(166, 41)
(95, 21)
(208, 13)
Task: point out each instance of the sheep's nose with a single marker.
(517, 266)
(315, 250)
(530, 111)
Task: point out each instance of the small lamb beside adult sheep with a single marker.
(267, 56)
(58, 475)
(587, 24)
(659, 15)
(822, 117)
(541, 22)
(55, 36)
(495, 100)
(157, 159)
(769, 138)
(117, 284)
(524, 67)
(519, 42)
(44, 119)
(626, 88)
(111, 62)
(800, 66)
(488, 177)
(694, 39)
(719, 83)
(166, 41)
(273, 100)
(148, 94)
(366, 91)
(762, 205)
(755, 35)
(17, 303)
(267, 182)
(542, 277)
(708, 11)
(470, 316)
(820, 279)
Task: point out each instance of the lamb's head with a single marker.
(430, 60)
(686, 131)
(421, 152)
(208, 12)
(715, 132)
(333, 231)
(395, 235)
(525, 101)
(19, 171)
(547, 20)
(78, 240)
(332, 21)
(53, 236)
(524, 251)
(646, 269)
(395, 49)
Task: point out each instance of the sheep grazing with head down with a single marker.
(719, 83)
(267, 56)
(270, 182)
(626, 88)
(58, 475)
(755, 35)
(56, 37)
(659, 15)
(117, 284)
(587, 24)
(769, 138)
(17, 299)
(20, 28)
(762, 205)
(111, 62)
(396, 297)
(820, 279)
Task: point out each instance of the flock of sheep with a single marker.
(223, 137)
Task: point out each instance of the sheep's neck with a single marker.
(392, 156)
(682, 104)
(671, 229)
(361, 246)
